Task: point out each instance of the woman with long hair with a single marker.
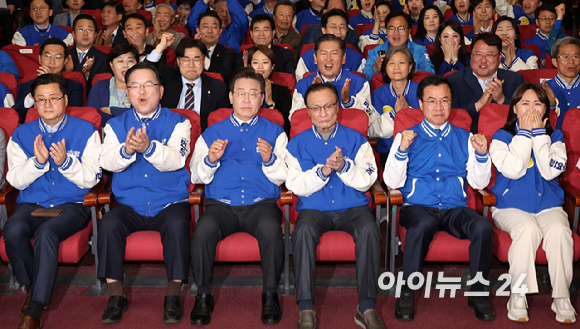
(513, 57)
(429, 20)
(449, 52)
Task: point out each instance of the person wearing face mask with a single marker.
(513, 57)
(549, 20)
(523, 15)
(429, 21)
(380, 11)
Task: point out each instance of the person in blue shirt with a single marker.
(312, 15)
(483, 16)
(234, 21)
(513, 57)
(523, 15)
(379, 31)
(429, 21)
(41, 29)
(431, 163)
(7, 64)
(399, 93)
(366, 13)
(266, 8)
(398, 27)
(414, 7)
(461, 10)
(449, 52)
(529, 155)
(549, 20)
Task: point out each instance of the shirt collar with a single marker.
(153, 116)
(562, 83)
(482, 82)
(461, 20)
(542, 35)
(238, 122)
(337, 78)
(197, 81)
(46, 128)
(46, 29)
(366, 14)
(430, 129)
(317, 134)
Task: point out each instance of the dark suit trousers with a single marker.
(173, 223)
(360, 224)
(261, 220)
(37, 265)
(462, 222)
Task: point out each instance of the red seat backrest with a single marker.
(68, 28)
(367, 49)
(420, 75)
(414, 30)
(284, 79)
(430, 49)
(467, 29)
(223, 113)
(181, 29)
(448, 13)
(214, 75)
(527, 31)
(353, 47)
(549, 64)
(246, 46)
(352, 118)
(377, 81)
(572, 140)
(170, 57)
(147, 14)
(86, 113)
(103, 49)
(101, 76)
(194, 120)
(97, 14)
(362, 28)
(25, 58)
(9, 121)
(535, 76)
(78, 77)
(304, 27)
(285, 46)
(536, 51)
(306, 48)
(353, 12)
(9, 80)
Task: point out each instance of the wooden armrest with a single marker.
(285, 195)
(373, 142)
(196, 196)
(5, 193)
(485, 197)
(106, 195)
(572, 193)
(92, 195)
(395, 196)
(378, 193)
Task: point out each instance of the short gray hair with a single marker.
(563, 42)
(164, 5)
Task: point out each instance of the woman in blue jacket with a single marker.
(529, 155)
(513, 57)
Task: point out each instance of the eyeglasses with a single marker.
(35, 9)
(400, 28)
(337, 27)
(57, 57)
(431, 103)
(482, 55)
(187, 60)
(53, 100)
(147, 85)
(82, 30)
(222, 11)
(382, 11)
(543, 19)
(252, 93)
(575, 58)
(327, 108)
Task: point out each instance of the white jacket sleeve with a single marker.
(478, 167)
(300, 69)
(8, 100)
(202, 170)
(18, 39)
(361, 173)
(395, 173)
(114, 156)
(365, 40)
(297, 103)
(86, 172)
(69, 41)
(519, 64)
(511, 160)
(275, 169)
(170, 157)
(504, 9)
(304, 183)
(578, 164)
(361, 67)
(550, 157)
(22, 171)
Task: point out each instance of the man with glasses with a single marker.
(53, 56)
(330, 167)
(84, 57)
(241, 162)
(564, 90)
(398, 25)
(484, 82)
(431, 163)
(146, 148)
(41, 29)
(53, 161)
(186, 87)
(549, 20)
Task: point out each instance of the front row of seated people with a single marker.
(151, 142)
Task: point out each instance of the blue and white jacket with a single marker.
(49, 185)
(31, 34)
(149, 181)
(433, 171)
(567, 96)
(307, 17)
(423, 63)
(541, 40)
(525, 60)
(361, 18)
(370, 38)
(6, 96)
(462, 21)
(354, 62)
(515, 12)
(341, 190)
(241, 177)
(527, 166)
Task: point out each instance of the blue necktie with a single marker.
(438, 131)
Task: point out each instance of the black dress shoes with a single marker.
(114, 311)
(172, 312)
(25, 304)
(271, 312)
(405, 308)
(201, 313)
(482, 308)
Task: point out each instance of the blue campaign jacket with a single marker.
(423, 63)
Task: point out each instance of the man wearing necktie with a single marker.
(241, 162)
(222, 59)
(150, 142)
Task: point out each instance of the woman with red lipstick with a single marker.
(513, 57)
(429, 21)
(449, 50)
(461, 10)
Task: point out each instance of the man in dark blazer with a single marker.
(186, 87)
(53, 56)
(112, 33)
(262, 31)
(284, 13)
(484, 82)
(83, 57)
(222, 59)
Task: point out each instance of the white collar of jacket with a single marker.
(154, 116)
(237, 122)
(562, 83)
(430, 130)
(47, 29)
(461, 20)
(337, 78)
(317, 134)
(59, 126)
(405, 92)
(542, 35)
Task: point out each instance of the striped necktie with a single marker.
(189, 97)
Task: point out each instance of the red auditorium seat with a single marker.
(25, 58)
(536, 76)
(284, 79)
(571, 179)
(9, 80)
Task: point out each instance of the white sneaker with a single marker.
(518, 308)
(565, 313)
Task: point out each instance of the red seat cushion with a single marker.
(443, 248)
(144, 246)
(238, 247)
(336, 246)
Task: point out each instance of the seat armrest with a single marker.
(571, 203)
(197, 194)
(485, 196)
(379, 195)
(571, 193)
(91, 198)
(106, 195)
(285, 195)
(8, 197)
(395, 196)
(373, 142)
